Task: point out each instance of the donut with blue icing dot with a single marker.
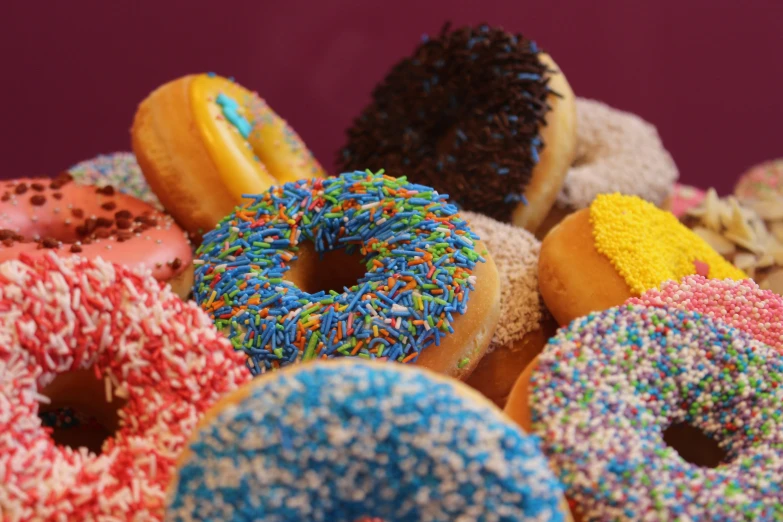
(342, 440)
(425, 290)
(203, 141)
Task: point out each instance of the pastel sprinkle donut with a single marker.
(120, 170)
(761, 181)
(606, 390)
(740, 304)
(421, 264)
(342, 440)
(92, 321)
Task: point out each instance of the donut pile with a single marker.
(211, 327)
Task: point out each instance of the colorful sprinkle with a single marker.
(418, 251)
(739, 304)
(608, 386)
(338, 442)
(648, 246)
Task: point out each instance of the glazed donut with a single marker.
(477, 113)
(616, 151)
(748, 233)
(761, 181)
(525, 324)
(611, 390)
(617, 248)
(683, 199)
(69, 326)
(204, 141)
(260, 278)
(340, 440)
(739, 304)
(120, 170)
(42, 215)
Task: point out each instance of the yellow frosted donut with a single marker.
(618, 248)
(203, 141)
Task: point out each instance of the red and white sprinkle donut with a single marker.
(60, 315)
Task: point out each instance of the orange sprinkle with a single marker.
(410, 357)
(357, 347)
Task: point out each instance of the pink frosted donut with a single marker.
(684, 198)
(740, 304)
(763, 180)
(63, 315)
(40, 215)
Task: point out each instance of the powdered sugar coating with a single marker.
(338, 441)
(515, 252)
(609, 384)
(617, 151)
(740, 304)
(118, 169)
(60, 314)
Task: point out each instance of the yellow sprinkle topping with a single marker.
(648, 246)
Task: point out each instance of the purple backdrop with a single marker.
(704, 71)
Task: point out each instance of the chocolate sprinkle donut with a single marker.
(461, 115)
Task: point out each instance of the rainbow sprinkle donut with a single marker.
(740, 304)
(420, 258)
(120, 170)
(339, 441)
(608, 386)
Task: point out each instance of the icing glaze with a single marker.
(118, 169)
(42, 215)
(252, 146)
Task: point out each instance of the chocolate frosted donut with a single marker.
(478, 113)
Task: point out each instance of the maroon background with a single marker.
(705, 71)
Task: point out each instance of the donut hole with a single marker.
(80, 414)
(334, 270)
(694, 446)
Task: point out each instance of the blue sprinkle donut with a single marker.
(422, 264)
(608, 387)
(120, 170)
(342, 440)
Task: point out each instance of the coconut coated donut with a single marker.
(616, 151)
(42, 215)
(259, 271)
(761, 181)
(69, 323)
(342, 440)
(618, 248)
(477, 113)
(525, 324)
(120, 170)
(204, 141)
(606, 389)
